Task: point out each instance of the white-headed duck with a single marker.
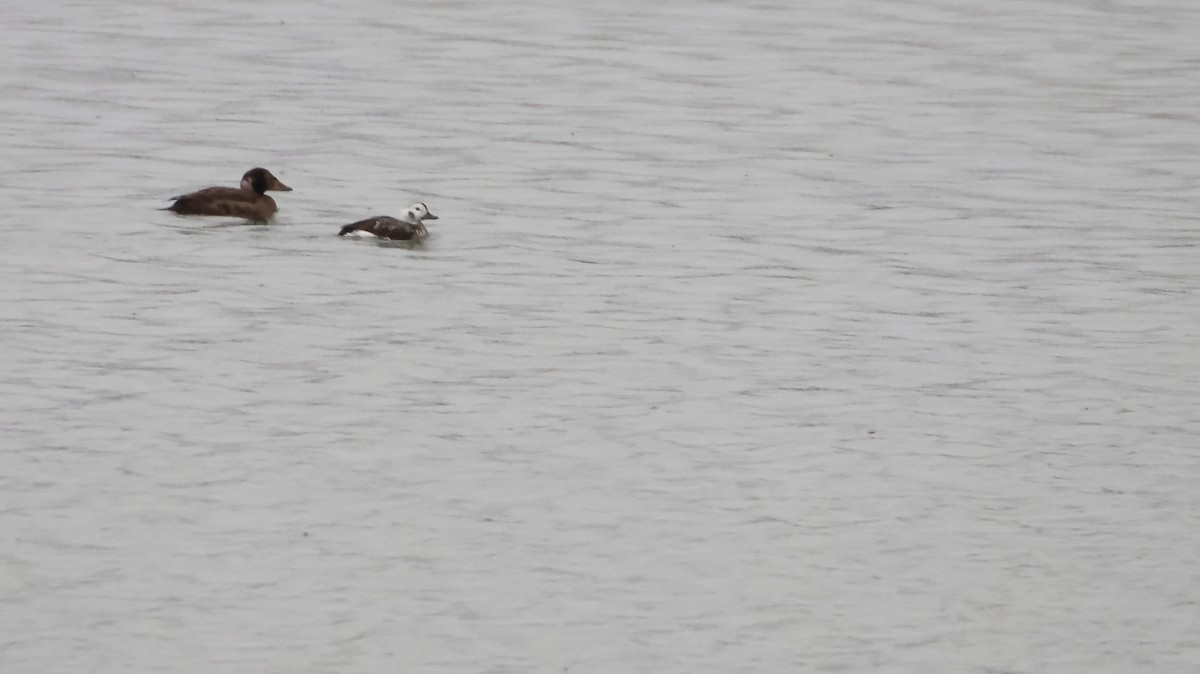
(407, 227)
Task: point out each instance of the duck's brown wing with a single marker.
(216, 193)
(385, 227)
(226, 202)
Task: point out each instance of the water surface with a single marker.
(832, 336)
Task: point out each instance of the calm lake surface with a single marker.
(835, 336)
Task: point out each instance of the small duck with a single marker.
(247, 201)
(408, 226)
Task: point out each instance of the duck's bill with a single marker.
(278, 186)
(431, 216)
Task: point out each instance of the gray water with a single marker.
(804, 337)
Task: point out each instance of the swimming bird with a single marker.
(247, 201)
(408, 226)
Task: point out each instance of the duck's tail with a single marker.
(347, 229)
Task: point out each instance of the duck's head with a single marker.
(260, 180)
(420, 212)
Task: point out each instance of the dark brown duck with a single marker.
(247, 201)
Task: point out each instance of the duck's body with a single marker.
(386, 227)
(247, 201)
(225, 201)
(406, 228)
